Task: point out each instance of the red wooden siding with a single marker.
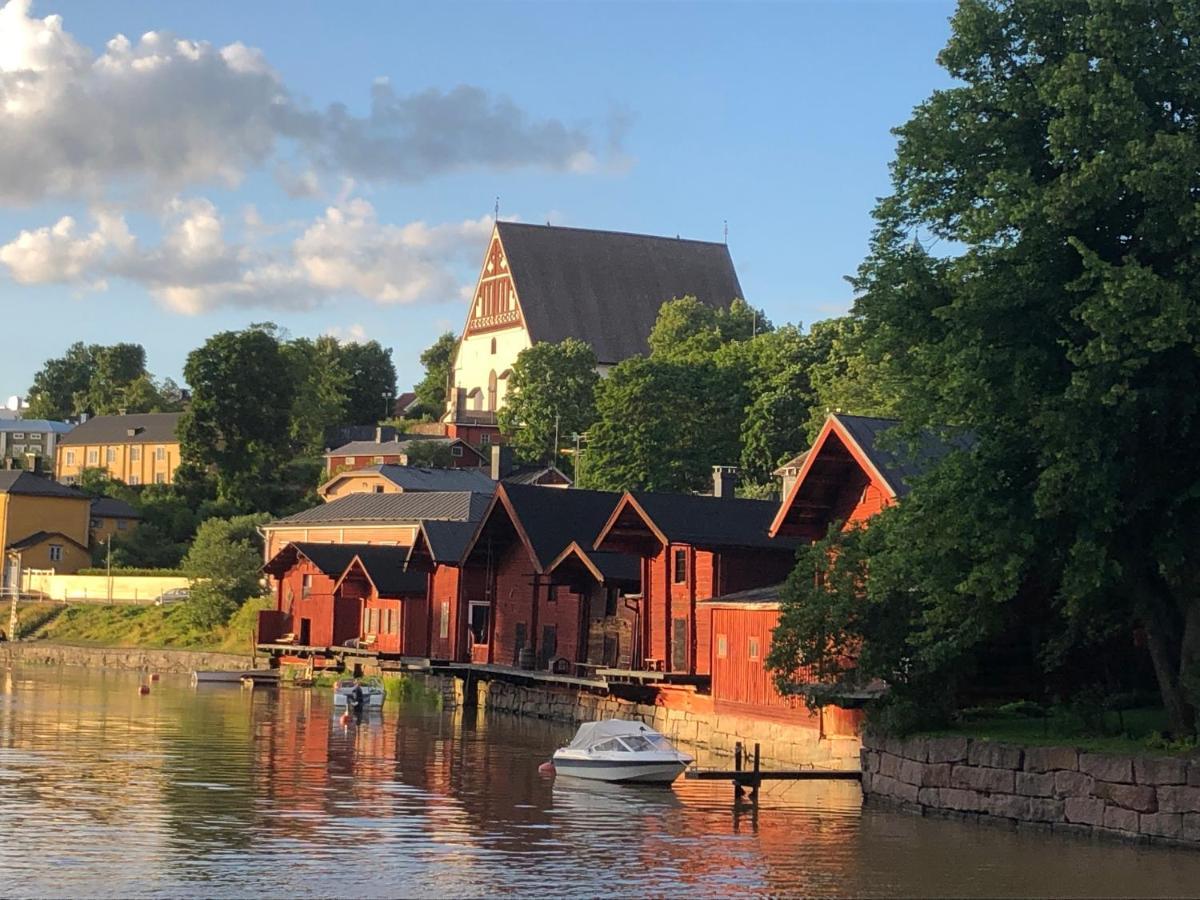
(444, 607)
(330, 621)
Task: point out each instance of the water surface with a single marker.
(220, 791)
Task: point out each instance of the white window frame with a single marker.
(56, 552)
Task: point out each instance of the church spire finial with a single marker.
(496, 211)
(726, 232)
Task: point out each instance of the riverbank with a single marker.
(125, 658)
(1147, 798)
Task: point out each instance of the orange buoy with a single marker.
(143, 689)
(546, 768)
(345, 718)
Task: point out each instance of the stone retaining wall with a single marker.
(782, 745)
(1135, 797)
(186, 661)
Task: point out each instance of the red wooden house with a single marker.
(456, 631)
(308, 609)
(692, 548)
(393, 604)
(532, 617)
(608, 590)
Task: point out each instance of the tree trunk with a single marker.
(1189, 661)
(1165, 656)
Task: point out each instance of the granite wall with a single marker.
(1146, 798)
(138, 659)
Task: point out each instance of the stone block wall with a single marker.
(1146, 798)
(128, 658)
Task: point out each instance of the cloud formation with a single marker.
(163, 113)
(197, 267)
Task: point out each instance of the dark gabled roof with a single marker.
(392, 508)
(30, 485)
(149, 428)
(606, 287)
(768, 594)
(447, 541)
(385, 567)
(330, 559)
(907, 461)
(38, 537)
(703, 521)
(111, 508)
(612, 567)
(792, 466)
(420, 478)
(537, 475)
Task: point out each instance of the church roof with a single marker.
(606, 287)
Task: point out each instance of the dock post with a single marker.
(757, 778)
(737, 767)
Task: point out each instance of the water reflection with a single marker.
(223, 791)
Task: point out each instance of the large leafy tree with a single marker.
(321, 381)
(239, 419)
(1065, 331)
(223, 564)
(551, 391)
(438, 359)
(370, 381)
(60, 381)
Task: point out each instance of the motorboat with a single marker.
(617, 750)
(232, 676)
(372, 689)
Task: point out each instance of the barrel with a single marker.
(525, 658)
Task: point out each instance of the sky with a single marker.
(170, 171)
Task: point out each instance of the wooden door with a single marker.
(679, 645)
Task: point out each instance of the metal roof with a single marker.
(704, 521)
(148, 428)
(606, 287)
(35, 425)
(392, 508)
(908, 459)
(111, 508)
(28, 484)
(768, 594)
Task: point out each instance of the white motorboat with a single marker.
(620, 751)
(372, 692)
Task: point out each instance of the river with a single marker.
(220, 791)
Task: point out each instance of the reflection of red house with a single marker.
(692, 548)
(394, 610)
(307, 604)
(521, 604)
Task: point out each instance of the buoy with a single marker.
(154, 677)
(546, 768)
(143, 689)
(345, 718)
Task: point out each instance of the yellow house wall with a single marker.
(358, 484)
(38, 557)
(71, 460)
(27, 515)
(106, 527)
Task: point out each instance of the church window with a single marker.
(493, 346)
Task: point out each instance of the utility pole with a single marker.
(108, 567)
(554, 458)
(16, 592)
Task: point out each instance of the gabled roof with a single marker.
(792, 466)
(30, 485)
(147, 428)
(420, 478)
(444, 542)
(761, 597)
(40, 537)
(545, 476)
(359, 509)
(111, 508)
(330, 559)
(606, 566)
(400, 446)
(35, 425)
(547, 521)
(606, 287)
(384, 566)
(849, 444)
(701, 521)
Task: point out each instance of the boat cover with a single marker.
(593, 732)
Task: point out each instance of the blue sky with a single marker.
(163, 191)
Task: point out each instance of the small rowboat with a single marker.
(370, 692)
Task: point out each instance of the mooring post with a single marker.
(737, 767)
(757, 777)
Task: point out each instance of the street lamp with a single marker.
(387, 404)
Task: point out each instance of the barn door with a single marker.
(679, 645)
(549, 647)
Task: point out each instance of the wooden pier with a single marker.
(754, 776)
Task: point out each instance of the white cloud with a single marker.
(348, 334)
(196, 267)
(162, 113)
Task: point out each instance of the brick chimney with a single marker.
(724, 481)
(502, 461)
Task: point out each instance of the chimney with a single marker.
(121, 410)
(502, 461)
(379, 434)
(724, 481)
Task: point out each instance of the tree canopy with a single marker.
(99, 380)
(438, 359)
(1060, 171)
(551, 391)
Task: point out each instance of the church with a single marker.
(549, 283)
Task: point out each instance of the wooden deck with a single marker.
(754, 775)
(512, 673)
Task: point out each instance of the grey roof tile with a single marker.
(26, 483)
(150, 428)
(385, 508)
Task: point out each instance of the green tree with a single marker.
(438, 360)
(433, 454)
(844, 375)
(321, 386)
(116, 369)
(224, 567)
(551, 391)
(371, 382)
(60, 381)
(240, 415)
(1062, 162)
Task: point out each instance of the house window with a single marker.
(722, 647)
(379, 460)
(456, 450)
(493, 346)
(135, 480)
(94, 523)
(56, 552)
(305, 586)
(18, 448)
(379, 488)
(680, 566)
(485, 440)
(349, 461)
(444, 626)
(135, 454)
(70, 457)
(753, 650)
(160, 453)
(20, 435)
(93, 457)
(160, 478)
(611, 596)
(121, 523)
(110, 455)
(552, 594)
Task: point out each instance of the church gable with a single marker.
(494, 305)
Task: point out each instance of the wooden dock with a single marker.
(752, 777)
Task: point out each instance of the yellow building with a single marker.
(43, 525)
(111, 517)
(137, 449)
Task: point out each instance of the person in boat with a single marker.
(357, 698)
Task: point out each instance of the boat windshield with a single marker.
(637, 743)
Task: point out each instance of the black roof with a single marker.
(148, 428)
(28, 484)
(111, 508)
(330, 559)
(768, 594)
(704, 521)
(909, 459)
(447, 541)
(38, 536)
(606, 287)
(385, 508)
(385, 568)
(533, 474)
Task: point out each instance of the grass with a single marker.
(397, 688)
(151, 627)
(1132, 731)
